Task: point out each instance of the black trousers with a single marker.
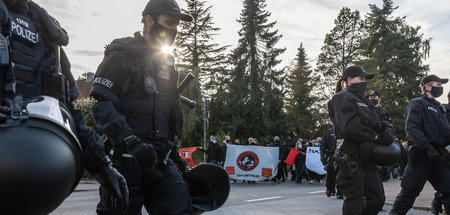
(161, 190)
(362, 189)
(331, 179)
(421, 168)
(280, 173)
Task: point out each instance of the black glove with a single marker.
(4, 111)
(385, 125)
(143, 152)
(385, 138)
(111, 179)
(432, 153)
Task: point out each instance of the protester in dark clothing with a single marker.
(283, 164)
(214, 151)
(281, 159)
(299, 162)
(223, 154)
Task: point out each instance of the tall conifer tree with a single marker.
(395, 52)
(197, 53)
(299, 102)
(256, 88)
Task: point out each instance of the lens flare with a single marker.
(167, 49)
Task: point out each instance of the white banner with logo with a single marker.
(313, 162)
(251, 163)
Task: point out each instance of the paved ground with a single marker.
(261, 198)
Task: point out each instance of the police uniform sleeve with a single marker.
(110, 84)
(348, 121)
(414, 123)
(94, 156)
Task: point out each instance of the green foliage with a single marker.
(342, 48)
(300, 116)
(85, 105)
(394, 52)
(256, 87)
(250, 96)
(206, 60)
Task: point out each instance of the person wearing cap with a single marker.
(355, 122)
(138, 110)
(428, 132)
(375, 98)
(327, 149)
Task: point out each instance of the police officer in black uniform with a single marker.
(327, 150)
(33, 38)
(138, 110)
(428, 133)
(375, 98)
(356, 122)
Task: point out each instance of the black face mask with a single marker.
(162, 36)
(374, 101)
(358, 88)
(437, 91)
(227, 141)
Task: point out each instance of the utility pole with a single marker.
(205, 126)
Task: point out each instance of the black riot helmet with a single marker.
(40, 157)
(209, 186)
(381, 155)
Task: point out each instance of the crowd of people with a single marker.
(366, 129)
(216, 154)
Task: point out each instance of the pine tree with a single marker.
(395, 51)
(256, 87)
(299, 103)
(196, 50)
(342, 48)
(197, 53)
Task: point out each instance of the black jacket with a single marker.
(90, 141)
(384, 115)
(136, 90)
(214, 151)
(328, 146)
(354, 117)
(426, 123)
(447, 111)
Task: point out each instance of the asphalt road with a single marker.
(260, 198)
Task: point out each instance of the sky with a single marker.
(93, 24)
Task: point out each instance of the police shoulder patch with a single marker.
(104, 82)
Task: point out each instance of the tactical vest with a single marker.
(148, 103)
(27, 51)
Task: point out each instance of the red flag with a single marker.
(186, 153)
(230, 170)
(266, 172)
(291, 157)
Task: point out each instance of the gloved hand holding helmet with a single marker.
(385, 138)
(143, 152)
